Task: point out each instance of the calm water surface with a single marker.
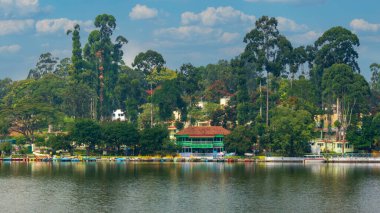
(188, 187)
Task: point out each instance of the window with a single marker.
(339, 145)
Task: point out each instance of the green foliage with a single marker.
(78, 100)
(27, 117)
(87, 132)
(337, 46)
(59, 142)
(76, 58)
(366, 135)
(149, 61)
(45, 64)
(5, 86)
(375, 77)
(290, 131)
(130, 93)
(241, 140)
(266, 47)
(340, 82)
(153, 139)
(362, 137)
(116, 134)
(144, 117)
(168, 98)
(179, 125)
(6, 147)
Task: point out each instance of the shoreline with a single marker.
(364, 160)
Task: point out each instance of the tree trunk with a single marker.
(267, 110)
(261, 102)
(151, 105)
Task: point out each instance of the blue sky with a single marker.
(195, 31)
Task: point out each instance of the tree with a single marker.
(116, 134)
(130, 92)
(60, 141)
(76, 57)
(337, 46)
(375, 77)
(153, 139)
(290, 131)
(348, 90)
(5, 86)
(26, 117)
(168, 98)
(297, 59)
(148, 62)
(268, 49)
(144, 119)
(241, 140)
(87, 132)
(64, 68)
(79, 100)
(6, 147)
(45, 64)
(103, 61)
(189, 78)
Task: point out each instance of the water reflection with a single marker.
(195, 187)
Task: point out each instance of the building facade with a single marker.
(201, 140)
(118, 115)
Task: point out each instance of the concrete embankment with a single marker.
(180, 159)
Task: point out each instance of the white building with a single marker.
(224, 101)
(118, 115)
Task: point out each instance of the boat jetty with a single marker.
(330, 158)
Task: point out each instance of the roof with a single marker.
(204, 131)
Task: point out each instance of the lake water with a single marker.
(188, 187)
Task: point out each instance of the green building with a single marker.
(202, 140)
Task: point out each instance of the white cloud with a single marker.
(10, 49)
(132, 49)
(363, 25)
(142, 12)
(227, 37)
(198, 34)
(186, 32)
(304, 38)
(206, 26)
(22, 7)
(64, 24)
(285, 24)
(212, 16)
(14, 26)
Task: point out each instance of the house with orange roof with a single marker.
(201, 140)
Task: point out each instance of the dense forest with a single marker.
(276, 91)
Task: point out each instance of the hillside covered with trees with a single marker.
(276, 91)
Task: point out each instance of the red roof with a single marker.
(204, 131)
(150, 92)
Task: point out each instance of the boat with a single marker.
(314, 159)
(120, 159)
(75, 160)
(88, 159)
(64, 159)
